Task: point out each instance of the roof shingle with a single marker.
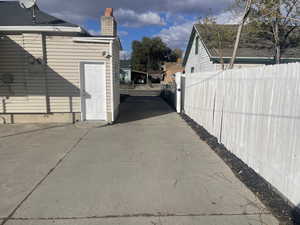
(249, 46)
(12, 14)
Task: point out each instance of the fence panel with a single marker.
(169, 93)
(255, 113)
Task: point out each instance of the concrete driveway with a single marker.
(148, 169)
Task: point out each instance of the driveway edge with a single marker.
(280, 207)
(44, 178)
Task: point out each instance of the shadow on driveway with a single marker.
(134, 108)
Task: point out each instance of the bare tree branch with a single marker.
(291, 8)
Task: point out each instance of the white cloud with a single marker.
(123, 33)
(69, 16)
(130, 18)
(125, 55)
(175, 18)
(228, 18)
(177, 36)
(78, 11)
(147, 11)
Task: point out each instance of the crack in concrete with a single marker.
(139, 215)
(44, 178)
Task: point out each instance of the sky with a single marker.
(172, 20)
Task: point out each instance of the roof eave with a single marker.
(99, 39)
(187, 52)
(95, 39)
(254, 60)
(120, 44)
(188, 48)
(63, 29)
(207, 50)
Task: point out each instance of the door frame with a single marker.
(82, 87)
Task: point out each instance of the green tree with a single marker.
(138, 60)
(149, 53)
(277, 20)
(176, 54)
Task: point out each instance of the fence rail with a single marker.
(255, 113)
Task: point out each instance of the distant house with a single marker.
(128, 75)
(202, 54)
(55, 71)
(139, 77)
(156, 76)
(125, 71)
(170, 69)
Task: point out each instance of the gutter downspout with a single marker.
(112, 81)
(45, 64)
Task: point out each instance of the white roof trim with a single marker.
(216, 57)
(91, 40)
(191, 41)
(94, 38)
(97, 40)
(42, 28)
(202, 41)
(228, 57)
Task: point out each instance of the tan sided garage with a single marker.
(56, 72)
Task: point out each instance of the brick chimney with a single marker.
(108, 23)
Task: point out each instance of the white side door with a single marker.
(94, 91)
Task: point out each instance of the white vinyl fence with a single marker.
(255, 113)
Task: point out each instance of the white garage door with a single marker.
(94, 91)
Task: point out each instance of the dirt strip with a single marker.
(280, 207)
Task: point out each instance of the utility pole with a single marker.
(238, 37)
(148, 67)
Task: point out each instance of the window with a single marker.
(197, 46)
(192, 69)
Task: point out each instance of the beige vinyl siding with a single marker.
(17, 57)
(63, 72)
(49, 81)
